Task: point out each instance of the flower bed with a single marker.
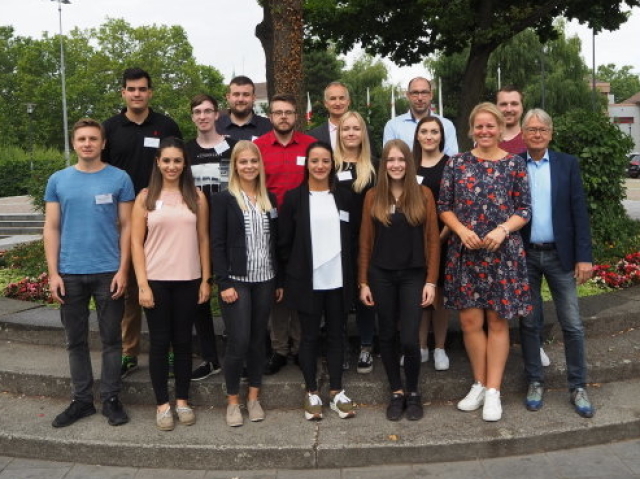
(623, 274)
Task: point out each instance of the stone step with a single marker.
(20, 230)
(43, 370)
(21, 217)
(286, 441)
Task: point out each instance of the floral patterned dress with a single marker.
(484, 194)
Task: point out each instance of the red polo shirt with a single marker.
(284, 165)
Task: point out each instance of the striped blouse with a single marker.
(258, 238)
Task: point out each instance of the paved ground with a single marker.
(614, 461)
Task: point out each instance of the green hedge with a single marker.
(24, 174)
(602, 149)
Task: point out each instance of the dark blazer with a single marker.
(571, 229)
(294, 247)
(228, 240)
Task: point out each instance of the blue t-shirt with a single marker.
(89, 231)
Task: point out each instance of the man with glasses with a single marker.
(403, 127)
(241, 122)
(558, 245)
(283, 153)
(209, 153)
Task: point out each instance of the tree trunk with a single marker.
(473, 88)
(281, 35)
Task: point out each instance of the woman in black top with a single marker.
(428, 144)
(315, 244)
(243, 239)
(356, 172)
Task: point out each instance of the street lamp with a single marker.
(30, 108)
(65, 122)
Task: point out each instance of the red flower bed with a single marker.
(30, 289)
(623, 274)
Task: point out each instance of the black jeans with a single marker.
(246, 321)
(79, 288)
(205, 332)
(329, 303)
(170, 323)
(397, 295)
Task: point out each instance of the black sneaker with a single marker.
(112, 409)
(206, 369)
(414, 407)
(275, 363)
(365, 361)
(396, 407)
(129, 364)
(76, 410)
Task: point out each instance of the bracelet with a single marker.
(505, 229)
(430, 284)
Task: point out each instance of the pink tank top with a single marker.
(171, 248)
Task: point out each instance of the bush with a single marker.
(602, 149)
(24, 174)
(28, 258)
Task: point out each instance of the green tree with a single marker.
(321, 66)
(407, 31)
(624, 83)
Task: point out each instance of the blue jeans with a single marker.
(563, 290)
(74, 313)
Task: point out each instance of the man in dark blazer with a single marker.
(558, 244)
(337, 102)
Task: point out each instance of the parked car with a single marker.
(633, 170)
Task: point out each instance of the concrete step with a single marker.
(21, 217)
(17, 230)
(43, 370)
(286, 440)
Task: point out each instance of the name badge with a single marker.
(273, 213)
(419, 178)
(150, 142)
(158, 204)
(105, 199)
(300, 160)
(344, 216)
(254, 138)
(222, 147)
(345, 175)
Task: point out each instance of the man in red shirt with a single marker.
(509, 102)
(283, 152)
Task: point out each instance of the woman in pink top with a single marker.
(170, 249)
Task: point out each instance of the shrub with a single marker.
(602, 149)
(28, 258)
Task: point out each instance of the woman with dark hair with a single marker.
(356, 172)
(428, 145)
(170, 249)
(243, 241)
(315, 246)
(484, 198)
(398, 269)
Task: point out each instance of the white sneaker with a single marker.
(492, 410)
(440, 359)
(474, 399)
(544, 359)
(342, 405)
(424, 355)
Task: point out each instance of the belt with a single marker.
(542, 246)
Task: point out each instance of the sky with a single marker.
(210, 29)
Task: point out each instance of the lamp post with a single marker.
(65, 122)
(30, 108)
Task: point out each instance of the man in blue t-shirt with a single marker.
(87, 245)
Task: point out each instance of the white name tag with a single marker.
(158, 204)
(150, 142)
(254, 138)
(344, 216)
(105, 199)
(300, 160)
(222, 147)
(345, 175)
(273, 213)
(419, 178)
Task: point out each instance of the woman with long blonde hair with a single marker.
(243, 242)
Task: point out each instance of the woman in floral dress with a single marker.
(484, 198)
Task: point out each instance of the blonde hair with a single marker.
(486, 107)
(365, 172)
(412, 201)
(262, 197)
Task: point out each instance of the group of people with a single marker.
(296, 230)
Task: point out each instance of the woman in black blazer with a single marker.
(315, 245)
(243, 239)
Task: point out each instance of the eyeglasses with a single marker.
(416, 94)
(206, 111)
(283, 113)
(533, 131)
